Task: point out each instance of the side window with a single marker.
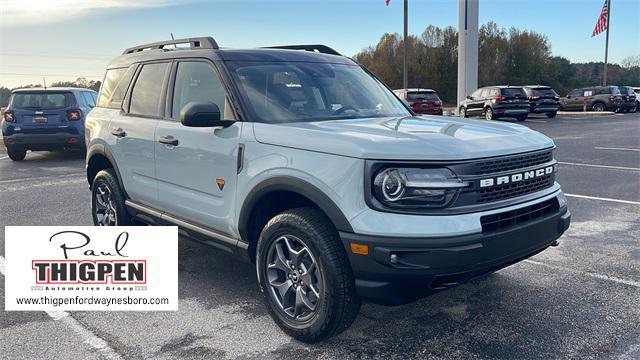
(494, 92)
(111, 80)
(199, 81)
(476, 94)
(486, 92)
(115, 102)
(146, 95)
(89, 99)
(576, 92)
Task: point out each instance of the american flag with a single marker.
(601, 25)
(388, 1)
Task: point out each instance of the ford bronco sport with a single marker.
(301, 161)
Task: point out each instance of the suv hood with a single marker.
(406, 138)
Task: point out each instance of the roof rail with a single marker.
(196, 43)
(313, 48)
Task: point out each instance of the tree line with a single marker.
(505, 57)
(5, 92)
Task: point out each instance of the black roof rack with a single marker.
(313, 48)
(196, 43)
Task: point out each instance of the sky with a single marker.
(64, 39)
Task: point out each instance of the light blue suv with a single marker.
(302, 162)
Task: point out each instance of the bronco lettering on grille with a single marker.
(507, 179)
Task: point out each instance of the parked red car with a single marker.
(421, 101)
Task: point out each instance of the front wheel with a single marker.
(16, 154)
(552, 114)
(462, 112)
(107, 200)
(305, 275)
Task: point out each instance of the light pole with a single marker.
(467, 48)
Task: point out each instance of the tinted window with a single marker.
(198, 81)
(543, 92)
(40, 100)
(422, 95)
(121, 89)
(89, 99)
(576, 92)
(615, 91)
(513, 92)
(147, 91)
(111, 80)
(300, 91)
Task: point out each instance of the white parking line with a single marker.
(85, 334)
(4, 157)
(536, 121)
(616, 148)
(603, 199)
(586, 273)
(600, 166)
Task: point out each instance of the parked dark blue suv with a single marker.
(45, 119)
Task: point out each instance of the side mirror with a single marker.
(202, 114)
(469, 97)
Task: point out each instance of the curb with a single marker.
(588, 113)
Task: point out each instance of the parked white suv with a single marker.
(302, 162)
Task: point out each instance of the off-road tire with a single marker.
(338, 305)
(109, 179)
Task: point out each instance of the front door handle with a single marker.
(118, 132)
(168, 140)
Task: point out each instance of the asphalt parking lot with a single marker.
(578, 300)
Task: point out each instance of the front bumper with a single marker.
(36, 142)
(400, 270)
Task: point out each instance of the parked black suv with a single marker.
(543, 100)
(597, 98)
(629, 99)
(494, 102)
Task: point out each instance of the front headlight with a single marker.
(415, 188)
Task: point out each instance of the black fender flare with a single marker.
(100, 149)
(296, 185)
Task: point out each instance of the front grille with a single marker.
(512, 163)
(516, 189)
(509, 219)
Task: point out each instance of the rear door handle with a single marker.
(118, 132)
(168, 140)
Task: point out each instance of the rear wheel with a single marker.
(107, 200)
(305, 275)
(488, 114)
(598, 107)
(552, 114)
(522, 117)
(16, 154)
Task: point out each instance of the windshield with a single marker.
(422, 96)
(39, 100)
(283, 92)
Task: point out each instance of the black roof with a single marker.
(206, 47)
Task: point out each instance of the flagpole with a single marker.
(606, 46)
(405, 60)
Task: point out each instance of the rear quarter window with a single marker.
(40, 100)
